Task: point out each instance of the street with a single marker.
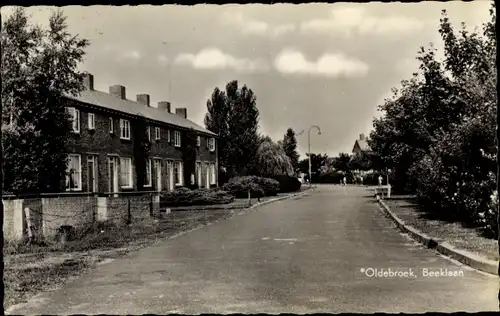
(300, 255)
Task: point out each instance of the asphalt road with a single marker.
(298, 256)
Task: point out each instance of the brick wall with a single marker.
(75, 211)
(48, 214)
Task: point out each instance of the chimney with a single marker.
(88, 81)
(164, 105)
(143, 99)
(361, 136)
(118, 91)
(182, 112)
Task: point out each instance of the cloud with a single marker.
(256, 27)
(162, 60)
(350, 20)
(290, 61)
(213, 58)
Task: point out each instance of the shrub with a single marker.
(331, 177)
(202, 196)
(288, 183)
(258, 186)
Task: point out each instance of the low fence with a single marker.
(46, 216)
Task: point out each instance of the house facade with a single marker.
(101, 149)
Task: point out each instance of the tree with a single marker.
(290, 147)
(39, 67)
(272, 159)
(341, 162)
(317, 162)
(216, 120)
(235, 117)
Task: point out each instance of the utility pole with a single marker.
(309, 149)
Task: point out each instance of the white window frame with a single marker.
(149, 172)
(94, 159)
(124, 129)
(169, 138)
(180, 172)
(111, 126)
(198, 141)
(177, 138)
(91, 121)
(79, 179)
(211, 144)
(148, 131)
(130, 185)
(75, 122)
(157, 133)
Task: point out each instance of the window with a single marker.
(212, 173)
(111, 126)
(178, 172)
(168, 136)
(75, 119)
(177, 139)
(126, 172)
(74, 173)
(148, 132)
(198, 141)
(211, 144)
(157, 133)
(91, 121)
(147, 181)
(125, 129)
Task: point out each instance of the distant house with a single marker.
(360, 145)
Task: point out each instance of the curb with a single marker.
(472, 260)
(274, 200)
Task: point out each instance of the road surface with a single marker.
(300, 256)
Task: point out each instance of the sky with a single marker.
(321, 64)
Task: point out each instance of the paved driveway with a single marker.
(297, 256)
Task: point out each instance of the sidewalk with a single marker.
(465, 244)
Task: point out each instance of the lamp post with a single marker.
(309, 149)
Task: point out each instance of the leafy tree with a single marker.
(39, 67)
(342, 162)
(317, 162)
(272, 159)
(235, 117)
(216, 120)
(290, 147)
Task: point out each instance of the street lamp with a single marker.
(309, 149)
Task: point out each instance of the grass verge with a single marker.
(471, 239)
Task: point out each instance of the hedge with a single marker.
(258, 186)
(186, 197)
(288, 183)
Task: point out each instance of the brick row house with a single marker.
(101, 149)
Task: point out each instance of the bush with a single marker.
(203, 196)
(331, 177)
(288, 183)
(258, 186)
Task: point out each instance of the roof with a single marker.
(363, 144)
(112, 102)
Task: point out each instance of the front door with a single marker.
(207, 177)
(198, 174)
(92, 173)
(157, 164)
(113, 174)
(170, 172)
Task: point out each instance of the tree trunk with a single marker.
(249, 197)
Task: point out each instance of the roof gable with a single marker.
(108, 101)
